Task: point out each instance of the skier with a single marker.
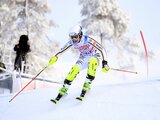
(22, 48)
(90, 53)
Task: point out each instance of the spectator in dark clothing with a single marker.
(2, 65)
(22, 48)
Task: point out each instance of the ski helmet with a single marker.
(76, 30)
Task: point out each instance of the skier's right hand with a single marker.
(52, 60)
(105, 66)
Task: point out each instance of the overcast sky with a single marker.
(144, 15)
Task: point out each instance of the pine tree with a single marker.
(105, 19)
(7, 29)
(27, 17)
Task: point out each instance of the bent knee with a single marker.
(92, 67)
(73, 73)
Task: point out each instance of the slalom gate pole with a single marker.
(27, 84)
(121, 70)
(146, 52)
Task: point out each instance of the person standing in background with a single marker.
(22, 48)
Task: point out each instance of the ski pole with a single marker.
(121, 70)
(27, 84)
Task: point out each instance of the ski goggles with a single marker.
(74, 36)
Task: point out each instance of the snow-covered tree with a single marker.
(7, 29)
(105, 19)
(27, 17)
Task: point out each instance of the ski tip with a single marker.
(54, 101)
(79, 98)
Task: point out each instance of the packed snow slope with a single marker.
(124, 101)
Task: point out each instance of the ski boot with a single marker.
(62, 92)
(86, 87)
(81, 96)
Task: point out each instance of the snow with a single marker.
(124, 101)
(113, 96)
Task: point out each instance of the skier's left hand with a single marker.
(52, 60)
(105, 67)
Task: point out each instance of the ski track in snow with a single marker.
(132, 101)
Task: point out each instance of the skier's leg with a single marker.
(92, 67)
(68, 81)
(70, 77)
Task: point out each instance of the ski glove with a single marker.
(105, 67)
(52, 60)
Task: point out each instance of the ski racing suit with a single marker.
(90, 54)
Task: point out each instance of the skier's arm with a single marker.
(99, 47)
(54, 59)
(105, 67)
(64, 48)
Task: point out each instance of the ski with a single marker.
(60, 96)
(80, 98)
(81, 95)
(54, 101)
